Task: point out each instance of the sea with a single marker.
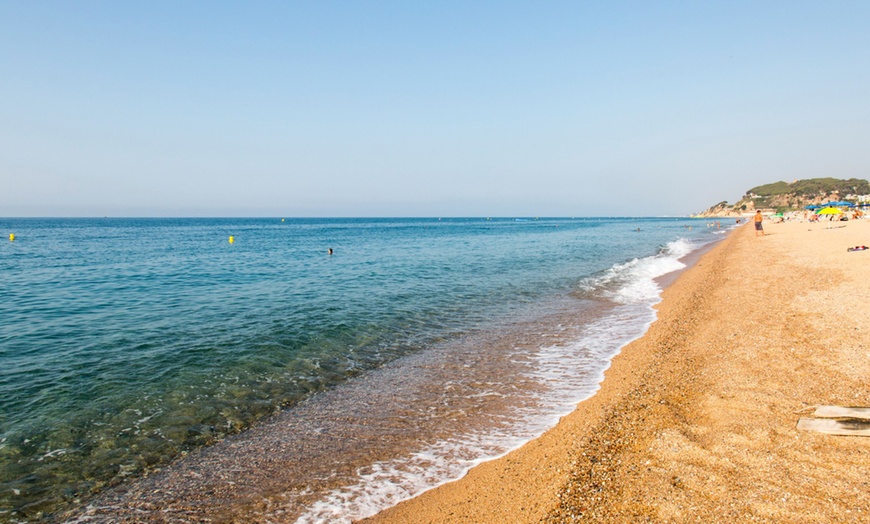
(321, 386)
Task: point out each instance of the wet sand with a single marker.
(696, 421)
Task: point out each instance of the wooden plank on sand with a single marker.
(842, 412)
(835, 427)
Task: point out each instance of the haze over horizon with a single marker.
(444, 109)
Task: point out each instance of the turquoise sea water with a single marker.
(125, 343)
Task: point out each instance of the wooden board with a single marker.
(835, 427)
(842, 412)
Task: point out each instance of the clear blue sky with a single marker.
(424, 108)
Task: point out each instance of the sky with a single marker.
(331, 108)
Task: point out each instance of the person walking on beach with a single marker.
(758, 219)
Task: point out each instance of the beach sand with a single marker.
(696, 421)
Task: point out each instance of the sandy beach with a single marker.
(696, 421)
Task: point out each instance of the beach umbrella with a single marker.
(812, 208)
(829, 211)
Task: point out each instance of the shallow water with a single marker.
(433, 344)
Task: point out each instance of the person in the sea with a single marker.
(758, 228)
(329, 251)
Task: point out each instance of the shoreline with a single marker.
(696, 419)
(278, 469)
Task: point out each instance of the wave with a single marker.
(567, 373)
(634, 282)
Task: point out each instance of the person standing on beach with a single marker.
(758, 219)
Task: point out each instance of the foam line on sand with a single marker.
(696, 421)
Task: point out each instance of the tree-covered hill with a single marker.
(813, 187)
(784, 196)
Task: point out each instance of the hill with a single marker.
(784, 196)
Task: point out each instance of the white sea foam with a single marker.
(636, 285)
(634, 281)
(568, 373)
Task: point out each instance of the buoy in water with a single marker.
(232, 239)
(12, 237)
